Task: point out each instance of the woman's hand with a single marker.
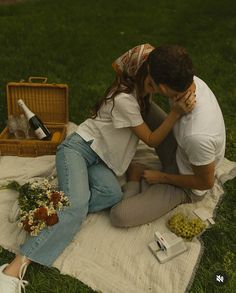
(135, 171)
(185, 104)
(152, 176)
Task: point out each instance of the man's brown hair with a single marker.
(172, 66)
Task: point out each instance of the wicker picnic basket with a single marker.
(49, 102)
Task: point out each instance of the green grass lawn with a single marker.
(75, 42)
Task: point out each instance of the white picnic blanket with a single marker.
(108, 259)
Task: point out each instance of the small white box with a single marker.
(166, 246)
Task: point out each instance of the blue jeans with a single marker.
(90, 186)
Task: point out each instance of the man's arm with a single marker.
(202, 179)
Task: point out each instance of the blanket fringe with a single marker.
(201, 253)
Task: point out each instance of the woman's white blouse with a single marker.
(113, 140)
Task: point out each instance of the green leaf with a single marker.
(13, 185)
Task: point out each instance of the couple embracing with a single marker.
(189, 141)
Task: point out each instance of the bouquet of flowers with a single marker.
(39, 204)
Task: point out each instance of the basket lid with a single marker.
(48, 101)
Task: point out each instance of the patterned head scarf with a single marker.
(131, 61)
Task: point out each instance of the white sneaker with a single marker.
(10, 284)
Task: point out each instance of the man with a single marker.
(188, 168)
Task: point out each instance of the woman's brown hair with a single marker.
(125, 84)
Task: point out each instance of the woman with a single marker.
(89, 159)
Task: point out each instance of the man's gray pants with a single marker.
(137, 208)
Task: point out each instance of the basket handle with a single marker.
(33, 78)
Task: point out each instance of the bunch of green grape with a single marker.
(184, 227)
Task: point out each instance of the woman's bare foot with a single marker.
(11, 275)
(14, 267)
(135, 171)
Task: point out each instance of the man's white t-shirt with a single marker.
(113, 140)
(200, 134)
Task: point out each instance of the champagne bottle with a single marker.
(35, 123)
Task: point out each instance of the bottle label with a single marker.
(40, 133)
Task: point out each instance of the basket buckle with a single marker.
(36, 151)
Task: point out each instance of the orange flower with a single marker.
(55, 197)
(52, 220)
(26, 225)
(41, 213)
